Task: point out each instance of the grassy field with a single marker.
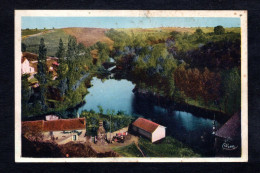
(51, 40)
(167, 30)
(27, 32)
(128, 151)
(169, 147)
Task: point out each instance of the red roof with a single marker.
(232, 128)
(57, 125)
(146, 125)
(23, 59)
(55, 63)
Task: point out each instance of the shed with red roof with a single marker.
(149, 129)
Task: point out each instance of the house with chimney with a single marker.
(60, 131)
(149, 129)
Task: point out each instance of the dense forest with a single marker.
(201, 69)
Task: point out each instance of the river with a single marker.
(194, 131)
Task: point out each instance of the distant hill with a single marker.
(89, 36)
(178, 29)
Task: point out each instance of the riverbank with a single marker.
(170, 105)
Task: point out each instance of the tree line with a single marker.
(195, 68)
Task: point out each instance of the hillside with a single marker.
(89, 36)
(177, 29)
(51, 40)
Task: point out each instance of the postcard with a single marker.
(131, 86)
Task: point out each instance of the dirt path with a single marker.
(137, 146)
(109, 147)
(40, 33)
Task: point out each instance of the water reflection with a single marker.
(111, 94)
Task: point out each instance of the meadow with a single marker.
(169, 147)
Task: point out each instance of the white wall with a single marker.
(158, 134)
(61, 135)
(26, 68)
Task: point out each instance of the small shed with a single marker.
(149, 129)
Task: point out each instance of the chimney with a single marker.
(100, 123)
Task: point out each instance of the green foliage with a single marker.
(232, 90)
(101, 110)
(169, 147)
(218, 30)
(154, 59)
(51, 40)
(128, 151)
(42, 73)
(23, 47)
(27, 32)
(26, 93)
(118, 121)
(69, 88)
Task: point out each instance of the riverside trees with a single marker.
(183, 66)
(67, 91)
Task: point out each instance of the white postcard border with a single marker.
(242, 14)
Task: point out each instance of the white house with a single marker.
(149, 129)
(60, 131)
(26, 68)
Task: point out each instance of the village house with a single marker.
(60, 131)
(30, 62)
(149, 129)
(26, 67)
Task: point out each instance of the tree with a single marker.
(199, 31)
(61, 51)
(101, 110)
(26, 93)
(42, 71)
(232, 87)
(62, 69)
(174, 34)
(24, 47)
(218, 30)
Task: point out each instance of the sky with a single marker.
(127, 22)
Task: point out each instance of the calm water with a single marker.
(111, 94)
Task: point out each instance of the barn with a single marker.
(149, 129)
